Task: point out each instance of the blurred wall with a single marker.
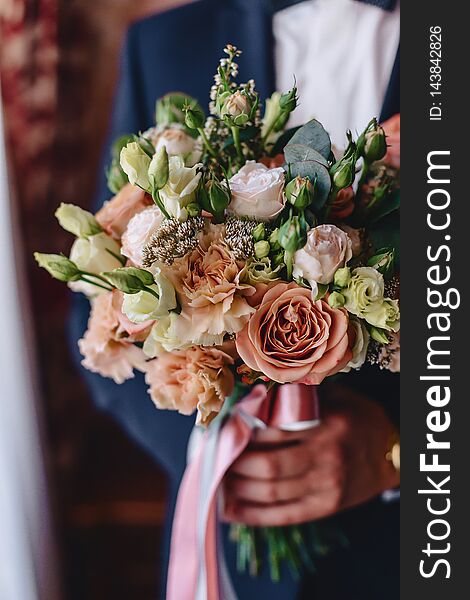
(58, 66)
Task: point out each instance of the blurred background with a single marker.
(100, 538)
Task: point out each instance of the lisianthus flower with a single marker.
(117, 212)
(257, 192)
(364, 297)
(180, 189)
(292, 338)
(104, 351)
(95, 254)
(194, 379)
(145, 305)
(360, 345)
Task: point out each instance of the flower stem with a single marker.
(96, 276)
(159, 203)
(95, 283)
(206, 143)
(236, 141)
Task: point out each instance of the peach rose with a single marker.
(117, 212)
(343, 205)
(138, 232)
(103, 350)
(212, 295)
(392, 131)
(292, 338)
(194, 379)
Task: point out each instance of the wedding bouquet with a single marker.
(238, 253)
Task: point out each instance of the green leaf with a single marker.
(313, 135)
(386, 206)
(386, 233)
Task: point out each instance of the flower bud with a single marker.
(259, 232)
(60, 267)
(237, 104)
(336, 300)
(194, 118)
(126, 280)
(262, 249)
(383, 261)
(375, 146)
(116, 179)
(77, 221)
(379, 335)
(293, 234)
(219, 196)
(135, 163)
(274, 239)
(342, 277)
(299, 192)
(158, 172)
(343, 173)
(288, 101)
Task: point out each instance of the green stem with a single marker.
(96, 276)
(365, 170)
(236, 141)
(159, 203)
(331, 200)
(121, 259)
(206, 143)
(95, 283)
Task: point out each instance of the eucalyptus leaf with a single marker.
(283, 140)
(301, 153)
(313, 135)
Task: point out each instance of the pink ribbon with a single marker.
(194, 572)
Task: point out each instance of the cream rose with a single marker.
(94, 255)
(328, 249)
(257, 192)
(138, 233)
(178, 143)
(181, 188)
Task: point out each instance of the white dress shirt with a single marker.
(341, 53)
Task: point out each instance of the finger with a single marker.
(275, 463)
(241, 489)
(272, 435)
(308, 508)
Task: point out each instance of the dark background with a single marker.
(58, 66)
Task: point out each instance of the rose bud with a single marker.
(259, 232)
(194, 118)
(383, 261)
(299, 192)
(336, 300)
(288, 101)
(237, 104)
(379, 335)
(375, 146)
(342, 277)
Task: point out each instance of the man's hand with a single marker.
(291, 477)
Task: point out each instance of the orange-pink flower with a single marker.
(194, 379)
(105, 349)
(292, 338)
(117, 212)
(212, 295)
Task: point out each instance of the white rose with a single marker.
(257, 192)
(181, 188)
(361, 344)
(95, 254)
(138, 232)
(163, 338)
(145, 306)
(327, 250)
(178, 143)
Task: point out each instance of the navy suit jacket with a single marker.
(179, 51)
